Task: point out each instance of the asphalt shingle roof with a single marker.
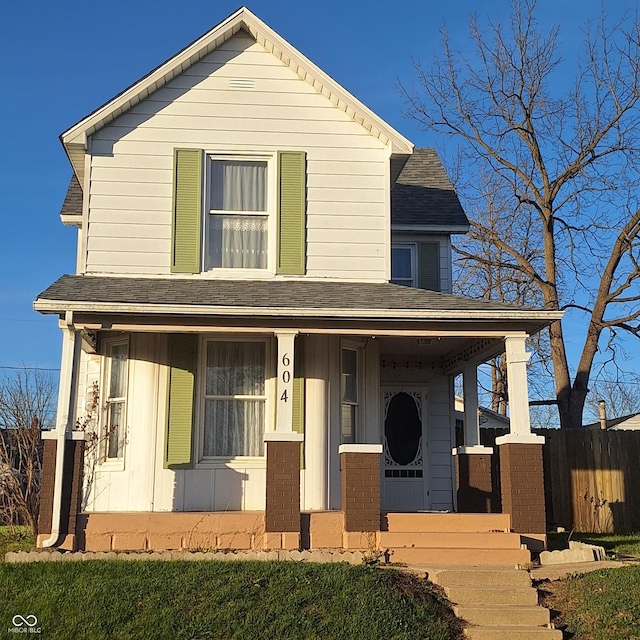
(423, 194)
(275, 294)
(72, 204)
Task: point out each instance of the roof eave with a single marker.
(58, 306)
(431, 228)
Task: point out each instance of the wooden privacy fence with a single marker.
(591, 477)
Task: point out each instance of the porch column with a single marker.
(284, 395)
(62, 464)
(521, 472)
(282, 512)
(473, 461)
(360, 469)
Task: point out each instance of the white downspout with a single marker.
(65, 415)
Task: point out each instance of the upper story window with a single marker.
(243, 213)
(416, 264)
(403, 264)
(237, 223)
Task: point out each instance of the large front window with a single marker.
(237, 222)
(234, 399)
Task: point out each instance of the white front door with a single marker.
(404, 436)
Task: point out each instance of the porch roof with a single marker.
(283, 298)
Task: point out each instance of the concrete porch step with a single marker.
(479, 576)
(512, 633)
(503, 616)
(446, 522)
(442, 540)
(521, 596)
(461, 556)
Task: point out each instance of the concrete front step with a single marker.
(512, 633)
(503, 616)
(480, 577)
(442, 540)
(447, 522)
(466, 557)
(522, 596)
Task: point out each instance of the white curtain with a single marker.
(237, 241)
(238, 186)
(234, 426)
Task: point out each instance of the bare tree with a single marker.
(621, 397)
(564, 153)
(27, 405)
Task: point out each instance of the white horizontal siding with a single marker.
(132, 163)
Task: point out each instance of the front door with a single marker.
(404, 464)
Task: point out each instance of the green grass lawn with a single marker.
(223, 600)
(618, 545)
(601, 605)
(15, 539)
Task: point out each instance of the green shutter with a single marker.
(182, 366)
(429, 265)
(291, 212)
(298, 393)
(298, 388)
(187, 211)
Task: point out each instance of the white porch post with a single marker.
(471, 421)
(520, 422)
(65, 417)
(284, 397)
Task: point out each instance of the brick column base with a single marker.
(522, 485)
(360, 469)
(474, 482)
(282, 514)
(71, 502)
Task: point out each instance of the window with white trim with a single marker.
(349, 383)
(237, 222)
(234, 398)
(403, 265)
(115, 377)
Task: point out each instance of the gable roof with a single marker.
(74, 138)
(423, 195)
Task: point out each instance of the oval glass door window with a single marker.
(403, 428)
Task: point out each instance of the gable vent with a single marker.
(242, 83)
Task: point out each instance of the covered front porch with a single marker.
(358, 380)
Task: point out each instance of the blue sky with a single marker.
(65, 58)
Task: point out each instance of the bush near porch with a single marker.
(224, 600)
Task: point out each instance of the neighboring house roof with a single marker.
(74, 138)
(488, 418)
(273, 297)
(629, 422)
(423, 195)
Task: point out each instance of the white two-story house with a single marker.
(262, 316)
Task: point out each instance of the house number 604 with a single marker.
(286, 376)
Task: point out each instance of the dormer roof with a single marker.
(422, 196)
(74, 139)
